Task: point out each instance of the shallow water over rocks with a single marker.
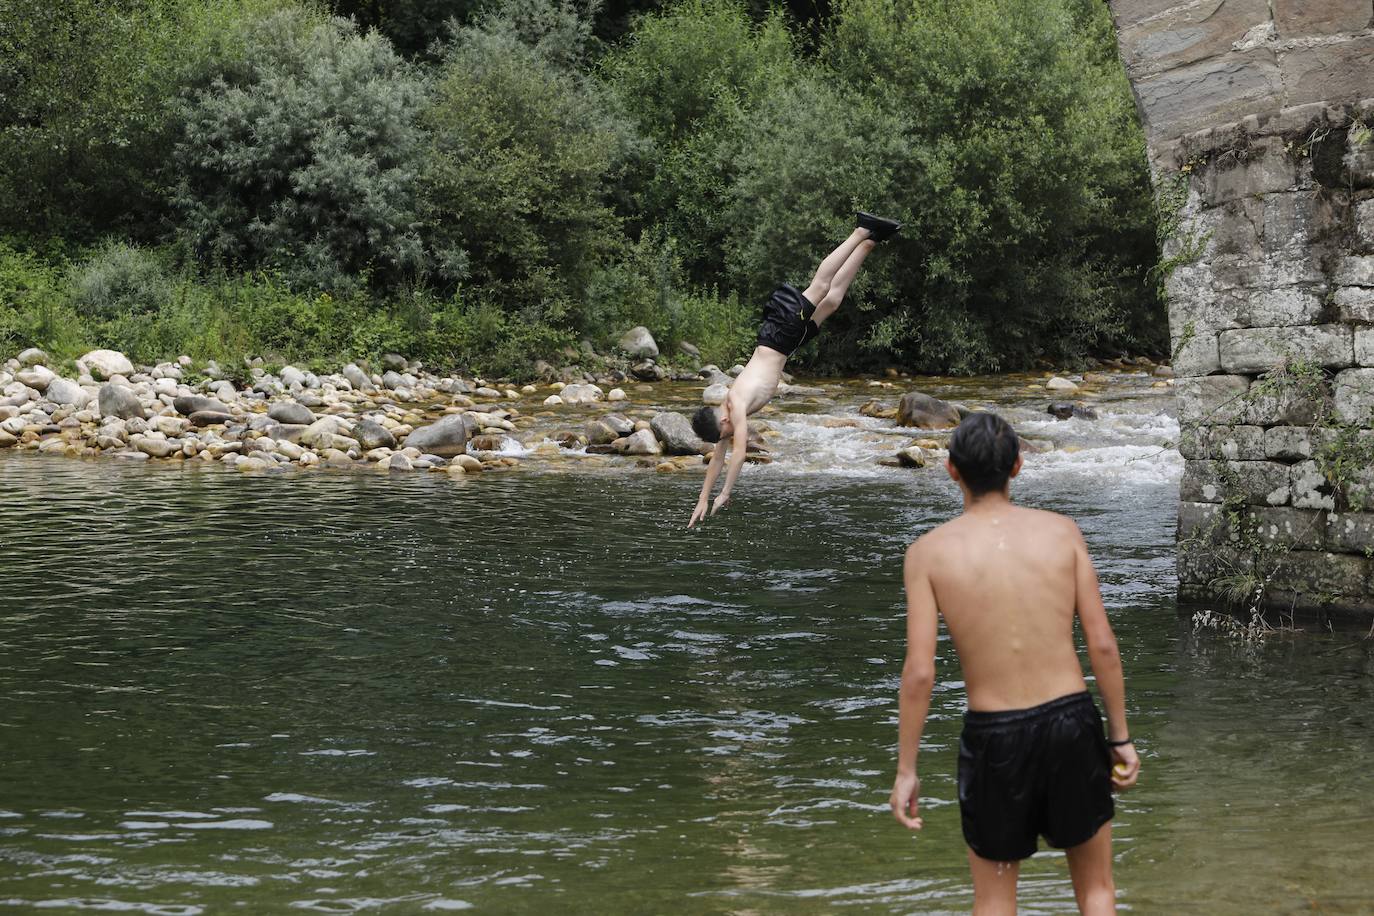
(343, 692)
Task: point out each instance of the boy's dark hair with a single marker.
(706, 424)
(984, 449)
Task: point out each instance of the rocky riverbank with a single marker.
(398, 417)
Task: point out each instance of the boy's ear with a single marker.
(1015, 468)
(953, 471)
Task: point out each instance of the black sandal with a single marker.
(879, 228)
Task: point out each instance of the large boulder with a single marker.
(674, 431)
(291, 412)
(598, 432)
(104, 364)
(640, 443)
(358, 378)
(925, 412)
(65, 391)
(371, 434)
(32, 357)
(187, 404)
(446, 438)
(715, 394)
(117, 401)
(36, 377)
(290, 375)
(321, 433)
(639, 343)
(580, 394)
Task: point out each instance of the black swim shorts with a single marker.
(1043, 771)
(787, 320)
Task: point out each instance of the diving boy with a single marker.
(790, 319)
(1033, 759)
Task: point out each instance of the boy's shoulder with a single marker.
(931, 541)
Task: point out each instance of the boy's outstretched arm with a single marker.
(740, 446)
(918, 678)
(1105, 659)
(712, 472)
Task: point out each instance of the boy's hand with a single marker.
(721, 502)
(906, 792)
(1125, 766)
(698, 513)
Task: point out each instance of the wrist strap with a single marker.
(1122, 743)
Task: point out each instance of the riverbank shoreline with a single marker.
(398, 417)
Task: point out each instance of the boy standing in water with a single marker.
(1033, 760)
(790, 319)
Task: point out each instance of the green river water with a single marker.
(534, 691)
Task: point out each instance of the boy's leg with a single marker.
(825, 274)
(994, 886)
(1090, 866)
(839, 283)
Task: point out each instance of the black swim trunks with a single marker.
(787, 320)
(1043, 771)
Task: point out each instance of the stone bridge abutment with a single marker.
(1259, 121)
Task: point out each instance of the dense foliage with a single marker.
(482, 184)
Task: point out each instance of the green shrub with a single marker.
(522, 153)
(119, 279)
(34, 307)
(301, 155)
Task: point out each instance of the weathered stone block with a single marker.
(1257, 483)
(1347, 532)
(1201, 563)
(1293, 219)
(1315, 575)
(1294, 443)
(1302, 529)
(1334, 70)
(1217, 90)
(1354, 391)
(1202, 522)
(1196, 354)
(1266, 168)
(1357, 489)
(1364, 224)
(1306, 18)
(1212, 399)
(1364, 346)
(1259, 349)
(1309, 488)
(1235, 443)
(1355, 270)
(1281, 307)
(1354, 303)
(1187, 33)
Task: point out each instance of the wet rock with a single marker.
(675, 433)
(446, 438)
(639, 443)
(553, 400)
(925, 412)
(1060, 384)
(648, 371)
(371, 434)
(203, 418)
(487, 392)
(399, 462)
(598, 432)
(622, 424)
(105, 364)
(488, 442)
(115, 400)
(715, 395)
(567, 438)
(188, 404)
(878, 409)
(913, 456)
(580, 394)
(291, 412)
(320, 433)
(638, 343)
(615, 394)
(7, 440)
(155, 448)
(1063, 410)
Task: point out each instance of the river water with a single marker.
(342, 692)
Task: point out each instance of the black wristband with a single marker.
(1122, 743)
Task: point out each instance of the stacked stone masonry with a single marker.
(1259, 121)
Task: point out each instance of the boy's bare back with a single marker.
(1005, 582)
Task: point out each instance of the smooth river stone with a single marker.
(291, 412)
